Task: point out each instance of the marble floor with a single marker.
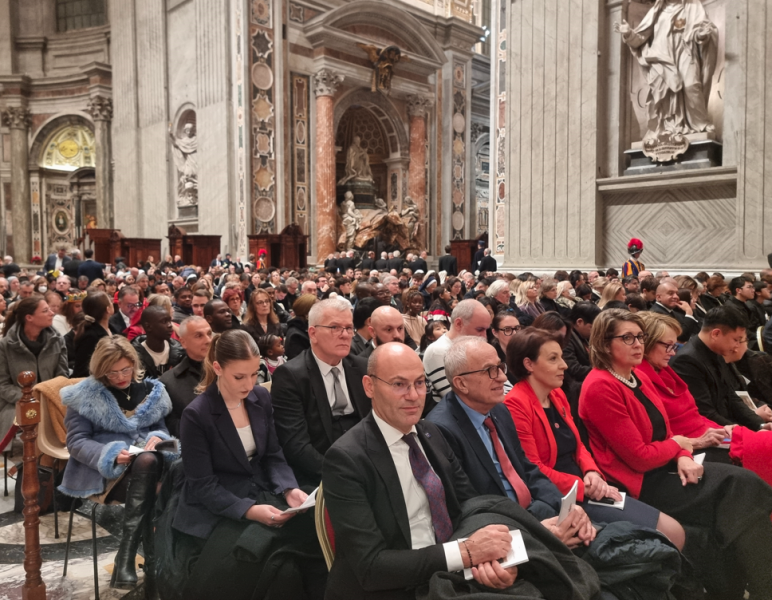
(79, 583)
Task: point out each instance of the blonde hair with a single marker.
(109, 351)
(522, 292)
(604, 327)
(162, 301)
(609, 293)
(656, 326)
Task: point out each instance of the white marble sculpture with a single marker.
(185, 151)
(410, 216)
(357, 164)
(676, 46)
(351, 218)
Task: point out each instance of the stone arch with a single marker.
(383, 110)
(48, 128)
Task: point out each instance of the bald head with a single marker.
(667, 294)
(386, 325)
(470, 317)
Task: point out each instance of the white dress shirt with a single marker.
(126, 318)
(418, 512)
(329, 382)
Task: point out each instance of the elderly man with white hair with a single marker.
(318, 395)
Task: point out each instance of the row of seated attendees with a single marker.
(438, 413)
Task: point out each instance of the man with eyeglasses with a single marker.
(742, 290)
(318, 395)
(668, 303)
(128, 304)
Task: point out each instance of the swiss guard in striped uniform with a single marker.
(633, 266)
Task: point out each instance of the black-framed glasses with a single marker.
(493, 372)
(402, 388)
(509, 330)
(629, 339)
(669, 347)
(338, 329)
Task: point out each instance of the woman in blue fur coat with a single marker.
(106, 413)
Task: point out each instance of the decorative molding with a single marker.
(418, 105)
(301, 169)
(100, 108)
(326, 82)
(17, 117)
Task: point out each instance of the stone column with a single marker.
(17, 118)
(416, 174)
(326, 83)
(101, 110)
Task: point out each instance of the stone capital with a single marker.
(100, 108)
(417, 105)
(326, 82)
(17, 117)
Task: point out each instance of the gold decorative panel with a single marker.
(68, 149)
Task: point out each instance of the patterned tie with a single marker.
(435, 492)
(521, 490)
(340, 403)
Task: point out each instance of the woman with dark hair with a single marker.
(261, 318)
(271, 349)
(552, 321)
(29, 343)
(725, 510)
(297, 338)
(439, 309)
(97, 309)
(584, 292)
(108, 413)
(238, 486)
(456, 288)
(504, 327)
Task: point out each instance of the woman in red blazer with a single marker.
(551, 441)
(724, 509)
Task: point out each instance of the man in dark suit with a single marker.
(669, 304)
(368, 263)
(742, 291)
(393, 489)
(57, 260)
(90, 268)
(128, 304)
(363, 311)
(396, 263)
(576, 354)
(386, 325)
(382, 264)
(318, 395)
(488, 264)
(181, 381)
(71, 267)
(448, 263)
(346, 262)
(420, 263)
(331, 264)
(478, 256)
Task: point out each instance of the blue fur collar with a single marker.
(92, 400)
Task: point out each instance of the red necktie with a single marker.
(521, 490)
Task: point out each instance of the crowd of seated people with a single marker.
(438, 410)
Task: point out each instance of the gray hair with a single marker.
(290, 281)
(306, 285)
(338, 304)
(388, 279)
(186, 323)
(464, 310)
(496, 288)
(457, 356)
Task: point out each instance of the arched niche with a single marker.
(383, 110)
(64, 143)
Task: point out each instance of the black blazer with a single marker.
(488, 263)
(219, 479)
(51, 262)
(374, 556)
(396, 263)
(117, 324)
(302, 411)
(689, 327)
(382, 264)
(368, 264)
(91, 269)
(181, 382)
(477, 463)
(449, 264)
(358, 344)
(418, 264)
(71, 269)
(84, 348)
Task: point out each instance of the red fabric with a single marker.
(685, 418)
(620, 429)
(753, 449)
(518, 485)
(330, 532)
(537, 439)
(135, 329)
(10, 434)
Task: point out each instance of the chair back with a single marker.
(324, 529)
(48, 442)
(266, 385)
(760, 338)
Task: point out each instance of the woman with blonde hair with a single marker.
(107, 413)
(526, 299)
(261, 318)
(612, 292)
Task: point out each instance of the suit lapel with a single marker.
(227, 429)
(355, 388)
(256, 421)
(319, 393)
(380, 454)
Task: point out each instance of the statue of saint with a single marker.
(676, 46)
(351, 218)
(357, 163)
(185, 150)
(410, 216)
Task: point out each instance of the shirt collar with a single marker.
(669, 310)
(390, 434)
(475, 417)
(324, 367)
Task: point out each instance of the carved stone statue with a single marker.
(351, 218)
(357, 163)
(410, 216)
(185, 151)
(676, 46)
(383, 61)
(380, 204)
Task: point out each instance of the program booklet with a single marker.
(517, 553)
(568, 503)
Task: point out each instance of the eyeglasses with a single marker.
(402, 388)
(119, 374)
(493, 372)
(262, 302)
(629, 339)
(669, 347)
(338, 329)
(509, 330)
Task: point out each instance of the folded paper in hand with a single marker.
(310, 501)
(164, 446)
(517, 553)
(568, 503)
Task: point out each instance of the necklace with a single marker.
(631, 383)
(235, 407)
(224, 402)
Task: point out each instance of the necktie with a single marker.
(521, 490)
(340, 403)
(435, 492)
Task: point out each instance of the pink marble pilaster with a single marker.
(416, 174)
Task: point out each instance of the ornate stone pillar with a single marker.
(416, 173)
(18, 119)
(101, 110)
(326, 83)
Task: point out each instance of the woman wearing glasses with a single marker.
(97, 308)
(106, 414)
(504, 327)
(724, 510)
(261, 318)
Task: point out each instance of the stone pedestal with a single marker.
(326, 83)
(101, 110)
(704, 152)
(416, 174)
(364, 193)
(17, 118)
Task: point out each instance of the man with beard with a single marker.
(386, 325)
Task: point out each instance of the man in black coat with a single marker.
(72, 266)
(741, 292)
(318, 395)
(478, 256)
(181, 381)
(448, 263)
(488, 264)
(157, 351)
(576, 354)
(90, 268)
(419, 263)
(346, 262)
(397, 263)
(368, 263)
(57, 260)
(669, 304)
(128, 304)
(382, 264)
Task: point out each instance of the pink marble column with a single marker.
(416, 173)
(326, 83)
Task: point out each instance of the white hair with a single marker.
(396, 253)
(337, 304)
(388, 279)
(457, 356)
(497, 287)
(186, 323)
(306, 285)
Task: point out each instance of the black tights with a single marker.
(144, 463)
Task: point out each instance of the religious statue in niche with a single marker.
(91, 222)
(351, 218)
(410, 216)
(357, 163)
(383, 65)
(676, 46)
(185, 151)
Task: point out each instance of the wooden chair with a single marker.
(760, 338)
(266, 385)
(324, 529)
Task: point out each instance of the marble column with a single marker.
(416, 173)
(17, 119)
(326, 83)
(101, 110)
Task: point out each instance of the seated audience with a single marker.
(128, 305)
(386, 325)
(261, 318)
(668, 303)
(432, 333)
(439, 309)
(611, 292)
(98, 310)
(234, 299)
(504, 327)
(415, 324)
(183, 304)
(297, 341)
(72, 305)
(271, 356)
(742, 291)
